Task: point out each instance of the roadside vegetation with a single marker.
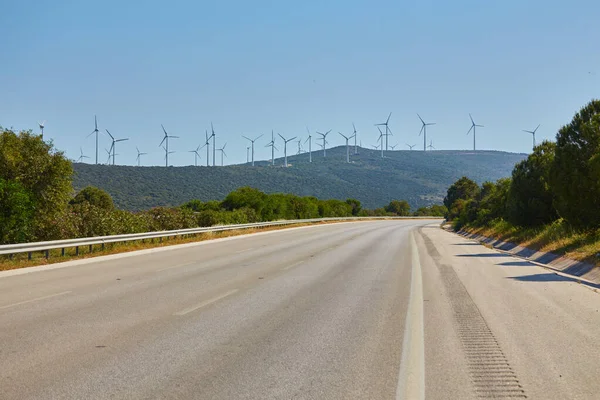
(552, 200)
(37, 201)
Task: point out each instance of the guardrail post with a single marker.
(102, 246)
(76, 250)
(47, 255)
(29, 255)
(62, 252)
(91, 247)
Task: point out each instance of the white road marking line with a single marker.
(411, 377)
(205, 303)
(242, 251)
(36, 299)
(292, 265)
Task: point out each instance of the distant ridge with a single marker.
(418, 177)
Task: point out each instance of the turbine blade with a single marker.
(388, 119)
(472, 127)
(534, 131)
(245, 137)
(423, 122)
(473, 122)
(422, 128)
(165, 138)
(281, 136)
(258, 137)
(164, 130)
(111, 136)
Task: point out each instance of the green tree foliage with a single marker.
(575, 174)
(530, 198)
(398, 207)
(16, 212)
(94, 196)
(435, 210)
(42, 171)
(356, 206)
(462, 189)
(491, 202)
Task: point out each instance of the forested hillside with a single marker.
(420, 178)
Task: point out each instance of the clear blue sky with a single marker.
(255, 66)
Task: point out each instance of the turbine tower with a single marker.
(309, 140)
(196, 155)
(114, 142)
(271, 144)
(285, 142)
(533, 134)
(96, 132)
(166, 141)
(222, 150)
(473, 126)
(214, 138)
(299, 147)
(81, 155)
(41, 125)
(139, 155)
(247, 154)
(388, 131)
(355, 136)
(380, 139)
(252, 141)
(424, 131)
(207, 144)
(324, 138)
(347, 147)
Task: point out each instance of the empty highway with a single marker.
(361, 310)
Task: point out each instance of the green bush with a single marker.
(16, 212)
(94, 196)
(575, 173)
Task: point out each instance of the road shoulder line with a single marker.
(411, 376)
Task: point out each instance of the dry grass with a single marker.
(558, 238)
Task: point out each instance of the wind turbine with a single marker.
(96, 132)
(473, 126)
(42, 124)
(387, 129)
(299, 147)
(273, 147)
(222, 150)
(309, 140)
(285, 142)
(82, 156)
(355, 136)
(533, 134)
(347, 147)
(214, 138)
(424, 131)
(430, 147)
(394, 146)
(166, 139)
(380, 139)
(109, 152)
(207, 144)
(324, 137)
(252, 141)
(112, 146)
(376, 147)
(139, 156)
(196, 155)
(410, 146)
(167, 153)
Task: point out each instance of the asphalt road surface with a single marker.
(361, 310)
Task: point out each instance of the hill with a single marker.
(420, 178)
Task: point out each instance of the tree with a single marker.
(356, 206)
(42, 171)
(94, 196)
(491, 202)
(16, 212)
(462, 189)
(575, 173)
(398, 207)
(434, 210)
(530, 199)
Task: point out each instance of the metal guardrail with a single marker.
(10, 249)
